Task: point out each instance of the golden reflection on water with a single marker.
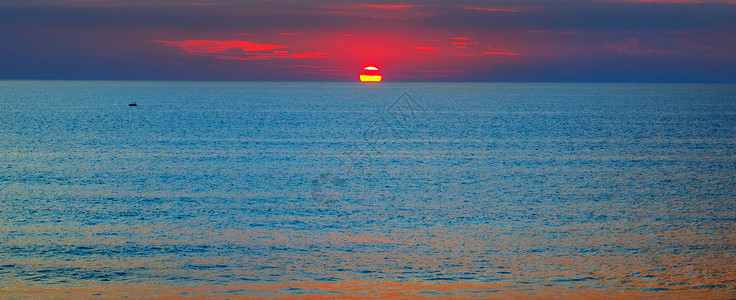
(414, 264)
(349, 289)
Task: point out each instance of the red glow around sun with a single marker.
(370, 74)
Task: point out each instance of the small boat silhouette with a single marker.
(132, 104)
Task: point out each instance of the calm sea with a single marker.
(343, 190)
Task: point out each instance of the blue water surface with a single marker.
(417, 190)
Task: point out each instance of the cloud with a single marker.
(365, 10)
(208, 46)
(387, 6)
(552, 15)
(271, 55)
(319, 67)
(633, 46)
(500, 53)
(464, 43)
(672, 46)
(516, 9)
(586, 15)
(426, 48)
(307, 55)
(498, 49)
(463, 38)
(238, 50)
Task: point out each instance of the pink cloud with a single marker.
(387, 6)
(516, 9)
(426, 48)
(238, 50)
(464, 43)
(207, 46)
(463, 38)
(342, 68)
(501, 53)
(375, 11)
(272, 55)
(309, 55)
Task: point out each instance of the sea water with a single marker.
(337, 190)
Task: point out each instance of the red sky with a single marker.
(533, 40)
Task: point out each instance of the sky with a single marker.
(332, 40)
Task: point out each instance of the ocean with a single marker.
(320, 190)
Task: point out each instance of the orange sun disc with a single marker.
(370, 74)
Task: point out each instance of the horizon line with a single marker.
(363, 83)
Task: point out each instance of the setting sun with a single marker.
(370, 74)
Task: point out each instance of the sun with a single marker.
(370, 74)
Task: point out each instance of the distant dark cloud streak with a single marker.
(208, 17)
(557, 15)
(594, 15)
